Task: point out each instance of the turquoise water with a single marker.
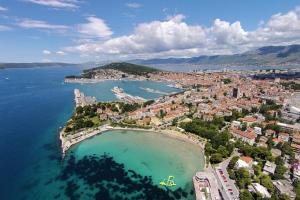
(34, 103)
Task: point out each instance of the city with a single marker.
(150, 100)
(255, 119)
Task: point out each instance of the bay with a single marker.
(34, 103)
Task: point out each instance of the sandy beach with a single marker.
(66, 143)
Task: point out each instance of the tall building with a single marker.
(236, 92)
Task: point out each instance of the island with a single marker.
(244, 121)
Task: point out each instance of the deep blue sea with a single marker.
(34, 104)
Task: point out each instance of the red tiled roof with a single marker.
(247, 134)
(247, 159)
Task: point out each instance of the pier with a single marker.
(127, 98)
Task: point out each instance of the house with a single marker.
(275, 152)
(284, 136)
(247, 136)
(257, 130)
(269, 168)
(270, 133)
(249, 120)
(295, 147)
(276, 141)
(245, 162)
(296, 138)
(263, 139)
(296, 172)
(258, 188)
(284, 187)
(236, 124)
(290, 127)
(146, 120)
(262, 144)
(207, 117)
(103, 117)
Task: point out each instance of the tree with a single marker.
(232, 162)
(246, 195)
(243, 177)
(297, 189)
(284, 197)
(267, 182)
(216, 158)
(223, 151)
(209, 149)
(79, 110)
(256, 169)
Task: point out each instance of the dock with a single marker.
(127, 98)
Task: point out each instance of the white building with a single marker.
(269, 168)
(258, 188)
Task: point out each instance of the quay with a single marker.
(127, 98)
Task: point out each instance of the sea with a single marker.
(35, 103)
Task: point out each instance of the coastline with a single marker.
(66, 143)
(87, 80)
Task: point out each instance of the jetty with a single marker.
(127, 98)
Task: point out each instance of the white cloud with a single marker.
(174, 37)
(95, 27)
(5, 28)
(46, 52)
(37, 24)
(133, 5)
(280, 29)
(56, 3)
(61, 53)
(155, 36)
(3, 8)
(225, 33)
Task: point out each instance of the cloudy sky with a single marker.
(96, 30)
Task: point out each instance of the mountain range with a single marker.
(264, 56)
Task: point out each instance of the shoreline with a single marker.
(89, 81)
(66, 143)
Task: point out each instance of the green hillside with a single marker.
(126, 68)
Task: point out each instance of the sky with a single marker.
(78, 31)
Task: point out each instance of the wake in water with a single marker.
(154, 91)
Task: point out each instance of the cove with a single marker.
(147, 157)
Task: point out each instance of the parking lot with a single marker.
(227, 185)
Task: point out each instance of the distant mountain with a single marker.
(264, 56)
(31, 65)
